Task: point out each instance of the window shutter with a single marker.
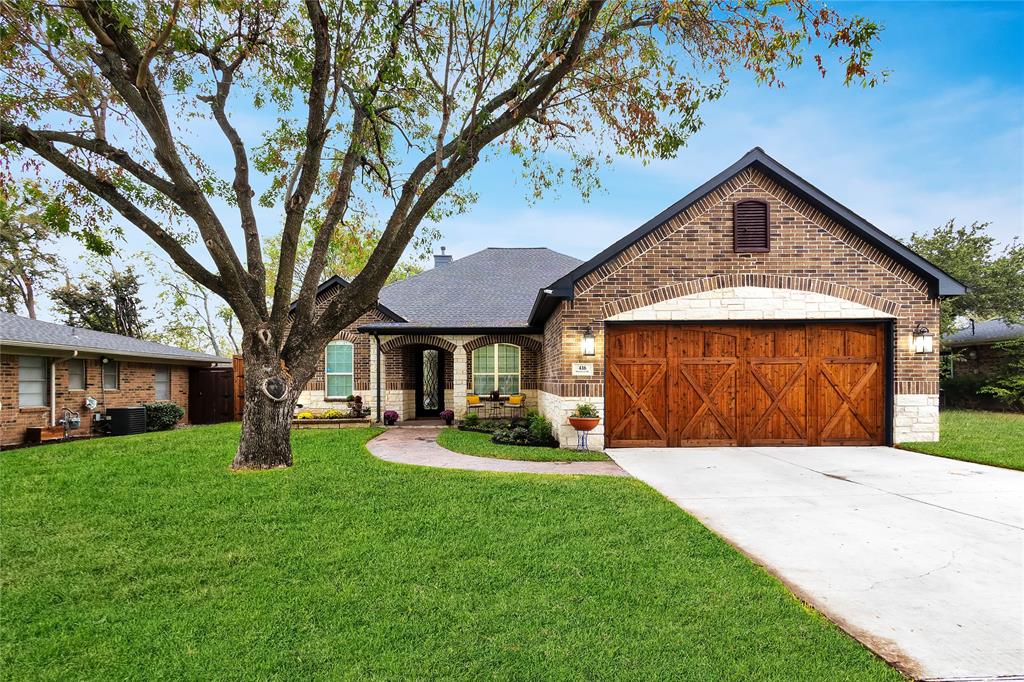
(750, 227)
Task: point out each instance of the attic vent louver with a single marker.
(750, 227)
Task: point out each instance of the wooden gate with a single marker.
(745, 384)
(211, 395)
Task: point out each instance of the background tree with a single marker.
(110, 304)
(31, 222)
(382, 110)
(347, 254)
(994, 277)
(189, 316)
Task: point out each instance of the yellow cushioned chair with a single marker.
(516, 400)
(472, 399)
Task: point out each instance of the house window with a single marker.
(338, 369)
(750, 227)
(162, 382)
(33, 382)
(76, 375)
(496, 366)
(110, 375)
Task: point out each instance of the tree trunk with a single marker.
(30, 298)
(270, 395)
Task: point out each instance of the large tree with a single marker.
(381, 109)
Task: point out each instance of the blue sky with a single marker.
(943, 138)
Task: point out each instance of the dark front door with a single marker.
(429, 382)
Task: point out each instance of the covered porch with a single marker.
(420, 375)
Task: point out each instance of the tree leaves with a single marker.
(994, 279)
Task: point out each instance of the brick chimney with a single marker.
(441, 258)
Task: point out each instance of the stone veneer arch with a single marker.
(697, 286)
(424, 339)
(344, 335)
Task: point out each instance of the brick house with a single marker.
(47, 367)
(755, 310)
(979, 347)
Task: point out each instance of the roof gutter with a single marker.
(212, 359)
(414, 329)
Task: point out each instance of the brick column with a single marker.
(459, 380)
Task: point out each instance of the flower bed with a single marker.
(342, 423)
(332, 418)
(533, 430)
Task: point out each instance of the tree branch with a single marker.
(104, 189)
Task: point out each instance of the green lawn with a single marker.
(144, 557)
(475, 443)
(995, 438)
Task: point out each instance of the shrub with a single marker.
(304, 415)
(540, 428)
(351, 398)
(332, 414)
(471, 420)
(514, 435)
(962, 390)
(162, 416)
(585, 410)
(1008, 386)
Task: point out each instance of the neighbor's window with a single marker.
(76, 375)
(110, 375)
(750, 227)
(496, 366)
(162, 381)
(338, 369)
(33, 384)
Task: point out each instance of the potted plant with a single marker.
(448, 416)
(585, 417)
(390, 417)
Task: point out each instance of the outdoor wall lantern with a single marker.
(589, 345)
(922, 339)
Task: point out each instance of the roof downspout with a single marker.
(53, 385)
(376, 337)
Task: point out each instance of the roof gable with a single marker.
(323, 292)
(940, 282)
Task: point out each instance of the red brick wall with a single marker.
(136, 387)
(698, 244)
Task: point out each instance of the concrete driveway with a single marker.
(921, 558)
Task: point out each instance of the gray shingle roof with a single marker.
(17, 330)
(990, 331)
(495, 287)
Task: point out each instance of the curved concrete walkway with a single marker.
(418, 445)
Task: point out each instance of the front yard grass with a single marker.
(479, 444)
(144, 557)
(995, 438)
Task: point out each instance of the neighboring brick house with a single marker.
(979, 347)
(756, 310)
(47, 367)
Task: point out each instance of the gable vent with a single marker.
(750, 227)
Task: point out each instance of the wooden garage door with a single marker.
(778, 384)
